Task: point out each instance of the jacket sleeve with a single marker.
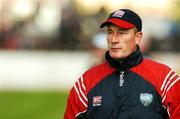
(171, 94)
(77, 101)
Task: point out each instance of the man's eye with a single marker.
(109, 32)
(121, 32)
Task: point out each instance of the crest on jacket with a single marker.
(146, 99)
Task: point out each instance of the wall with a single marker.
(40, 70)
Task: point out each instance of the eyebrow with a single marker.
(109, 30)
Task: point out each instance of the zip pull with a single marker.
(121, 78)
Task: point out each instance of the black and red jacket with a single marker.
(134, 88)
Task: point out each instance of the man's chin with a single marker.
(115, 55)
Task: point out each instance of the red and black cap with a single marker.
(124, 18)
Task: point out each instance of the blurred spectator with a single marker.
(175, 36)
(70, 29)
(99, 46)
(54, 25)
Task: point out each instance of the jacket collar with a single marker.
(127, 63)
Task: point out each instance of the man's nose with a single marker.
(115, 38)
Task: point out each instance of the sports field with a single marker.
(32, 104)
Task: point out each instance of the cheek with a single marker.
(129, 44)
(132, 44)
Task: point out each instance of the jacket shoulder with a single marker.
(152, 71)
(95, 74)
(156, 66)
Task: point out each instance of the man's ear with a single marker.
(138, 37)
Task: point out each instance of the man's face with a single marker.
(122, 42)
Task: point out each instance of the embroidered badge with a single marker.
(146, 99)
(119, 13)
(97, 100)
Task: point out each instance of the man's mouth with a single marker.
(115, 48)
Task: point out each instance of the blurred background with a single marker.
(45, 45)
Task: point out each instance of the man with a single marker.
(127, 86)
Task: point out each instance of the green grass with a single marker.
(32, 105)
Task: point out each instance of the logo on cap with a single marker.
(118, 13)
